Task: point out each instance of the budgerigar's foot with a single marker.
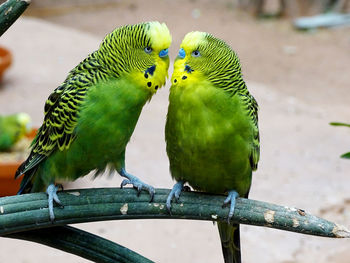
(231, 198)
(136, 183)
(175, 192)
(51, 192)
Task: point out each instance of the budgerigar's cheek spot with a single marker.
(151, 70)
(149, 84)
(184, 77)
(156, 87)
(188, 69)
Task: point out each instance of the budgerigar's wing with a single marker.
(252, 110)
(61, 113)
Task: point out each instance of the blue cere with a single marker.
(163, 53)
(182, 53)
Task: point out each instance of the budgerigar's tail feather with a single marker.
(26, 183)
(230, 242)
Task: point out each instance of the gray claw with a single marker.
(136, 183)
(55, 198)
(125, 182)
(152, 192)
(51, 192)
(231, 198)
(177, 196)
(175, 192)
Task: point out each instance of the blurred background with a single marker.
(300, 78)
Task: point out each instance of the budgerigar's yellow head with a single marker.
(205, 57)
(140, 51)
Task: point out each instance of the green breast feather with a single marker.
(105, 124)
(210, 137)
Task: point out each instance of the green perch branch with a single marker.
(81, 243)
(10, 11)
(29, 211)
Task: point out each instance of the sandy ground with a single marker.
(300, 80)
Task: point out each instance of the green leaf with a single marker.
(346, 155)
(339, 124)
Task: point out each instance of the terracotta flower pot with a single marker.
(8, 184)
(5, 60)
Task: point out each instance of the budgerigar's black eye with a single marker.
(148, 50)
(196, 53)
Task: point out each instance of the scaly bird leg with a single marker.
(51, 192)
(136, 183)
(175, 192)
(231, 198)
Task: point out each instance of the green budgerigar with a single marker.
(90, 117)
(12, 128)
(211, 132)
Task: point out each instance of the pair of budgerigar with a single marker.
(211, 130)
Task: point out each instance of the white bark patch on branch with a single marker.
(76, 193)
(269, 216)
(341, 231)
(124, 209)
(295, 222)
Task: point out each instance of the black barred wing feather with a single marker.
(253, 114)
(61, 112)
(251, 106)
(57, 131)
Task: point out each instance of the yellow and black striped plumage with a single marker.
(61, 111)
